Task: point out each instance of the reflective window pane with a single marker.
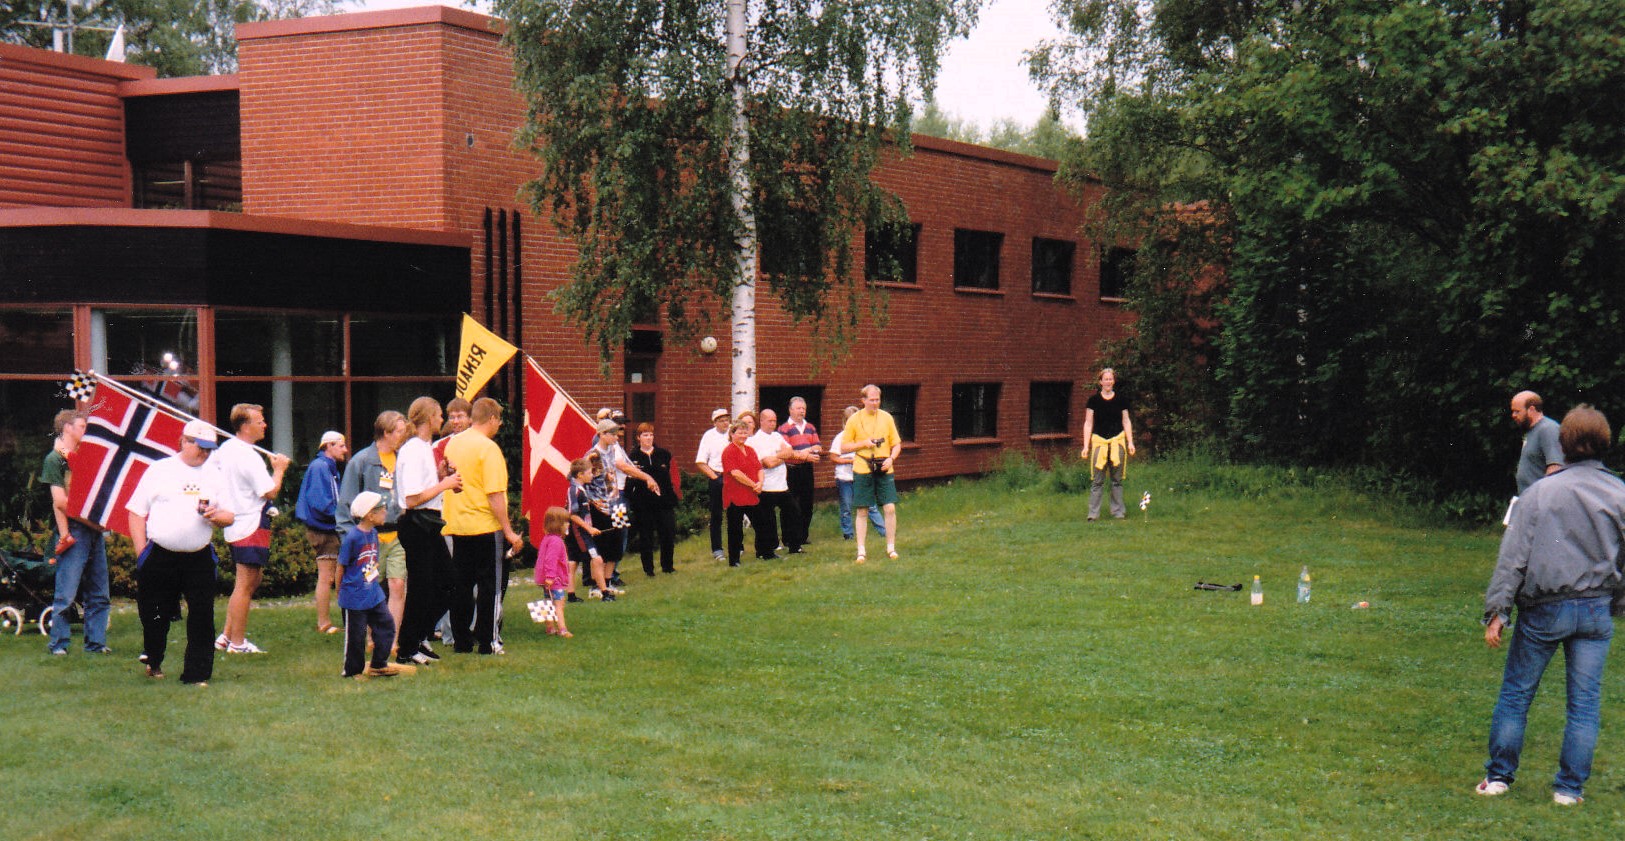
(383, 346)
(139, 342)
(296, 413)
(36, 341)
(273, 345)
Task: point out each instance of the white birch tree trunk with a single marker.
(744, 297)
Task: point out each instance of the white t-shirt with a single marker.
(843, 470)
(712, 443)
(415, 473)
(168, 497)
(244, 480)
(769, 444)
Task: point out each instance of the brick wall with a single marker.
(406, 117)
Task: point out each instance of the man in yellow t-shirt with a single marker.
(477, 521)
(872, 435)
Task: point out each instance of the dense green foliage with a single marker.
(1017, 673)
(1046, 138)
(1418, 204)
(178, 37)
(630, 110)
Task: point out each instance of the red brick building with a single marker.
(304, 233)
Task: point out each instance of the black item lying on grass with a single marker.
(1203, 585)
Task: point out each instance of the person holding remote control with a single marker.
(871, 435)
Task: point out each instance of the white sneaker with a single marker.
(1491, 788)
(220, 642)
(595, 593)
(246, 648)
(1562, 799)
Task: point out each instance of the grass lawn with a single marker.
(1018, 673)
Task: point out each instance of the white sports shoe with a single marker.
(221, 642)
(246, 648)
(1562, 799)
(1491, 788)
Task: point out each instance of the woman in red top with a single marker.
(741, 484)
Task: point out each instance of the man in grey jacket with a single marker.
(1560, 564)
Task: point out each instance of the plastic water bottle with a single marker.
(1258, 591)
(1303, 586)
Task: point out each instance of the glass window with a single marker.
(777, 398)
(296, 414)
(1052, 266)
(1049, 408)
(272, 345)
(1116, 267)
(383, 346)
(36, 342)
(141, 342)
(26, 410)
(899, 401)
(976, 259)
(368, 400)
(891, 254)
(976, 410)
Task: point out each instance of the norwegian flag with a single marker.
(556, 431)
(122, 438)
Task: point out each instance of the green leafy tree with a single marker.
(1421, 199)
(177, 37)
(667, 155)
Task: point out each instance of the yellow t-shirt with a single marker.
(479, 461)
(863, 428)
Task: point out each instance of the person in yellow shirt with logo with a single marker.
(871, 435)
(1108, 441)
(477, 521)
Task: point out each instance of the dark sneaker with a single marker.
(572, 598)
(427, 652)
(609, 597)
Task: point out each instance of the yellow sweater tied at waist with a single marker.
(1109, 452)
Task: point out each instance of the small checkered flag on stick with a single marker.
(81, 386)
(543, 611)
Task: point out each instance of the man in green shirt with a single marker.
(81, 550)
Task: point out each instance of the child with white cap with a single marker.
(361, 596)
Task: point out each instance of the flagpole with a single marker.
(167, 409)
(556, 387)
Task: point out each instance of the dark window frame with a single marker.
(1046, 399)
(977, 255)
(1052, 261)
(903, 250)
(1116, 267)
(975, 410)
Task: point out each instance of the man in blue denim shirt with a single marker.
(1560, 564)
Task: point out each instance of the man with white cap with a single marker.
(709, 460)
(173, 514)
(318, 510)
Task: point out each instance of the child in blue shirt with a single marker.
(361, 597)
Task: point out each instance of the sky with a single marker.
(982, 80)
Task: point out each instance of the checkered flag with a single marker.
(543, 611)
(81, 386)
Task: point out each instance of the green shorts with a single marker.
(392, 558)
(870, 490)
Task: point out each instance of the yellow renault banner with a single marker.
(483, 353)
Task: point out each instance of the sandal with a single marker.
(860, 558)
(328, 629)
(566, 634)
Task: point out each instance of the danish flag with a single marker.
(123, 437)
(556, 432)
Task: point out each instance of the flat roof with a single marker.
(120, 217)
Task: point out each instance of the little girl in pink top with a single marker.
(553, 567)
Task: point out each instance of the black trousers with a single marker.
(717, 515)
(477, 566)
(800, 477)
(162, 579)
(736, 530)
(650, 520)
(428, 579)
(779, 505)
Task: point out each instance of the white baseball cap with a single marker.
(202, 433)
(364, 503)
(720, 413)
(331, 437)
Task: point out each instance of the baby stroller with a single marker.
(27, 588)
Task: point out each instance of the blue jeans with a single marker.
(1583, 628)
(843, 489)
(83, 565)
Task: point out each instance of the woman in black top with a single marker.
(1108, 441)
(653, 513)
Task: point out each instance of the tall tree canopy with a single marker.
(631, 111)
(1418, 203)
(177, 37)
